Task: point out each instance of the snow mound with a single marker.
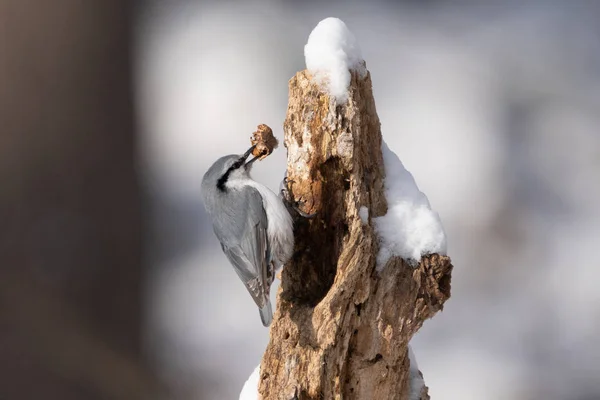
(250, 389)
(410, 228)
(331, 53)
(416, 379)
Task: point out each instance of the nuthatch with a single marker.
(251, 222)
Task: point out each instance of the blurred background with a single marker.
(112, 285)
(495, 109)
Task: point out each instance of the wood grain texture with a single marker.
(341, 328)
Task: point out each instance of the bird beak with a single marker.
(247, 154)
(249, 163)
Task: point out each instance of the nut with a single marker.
(264, 140)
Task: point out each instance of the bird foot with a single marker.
(290, 202)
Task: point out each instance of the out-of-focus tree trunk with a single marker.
(341, 328)
(70, 258)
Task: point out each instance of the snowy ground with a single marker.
(494, 111)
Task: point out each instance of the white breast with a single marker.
(280, 227)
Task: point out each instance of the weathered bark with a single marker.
(341, 328)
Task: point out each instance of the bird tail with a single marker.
(266, 313)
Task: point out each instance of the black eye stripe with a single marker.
(222, 180)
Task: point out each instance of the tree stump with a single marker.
(342, 326)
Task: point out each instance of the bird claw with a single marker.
(289, 201)
(302, 213)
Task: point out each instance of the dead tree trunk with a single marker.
(341, 327)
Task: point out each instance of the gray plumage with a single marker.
(252, 224)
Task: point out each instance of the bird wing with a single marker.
(249, 254)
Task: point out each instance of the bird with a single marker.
(252, 224)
